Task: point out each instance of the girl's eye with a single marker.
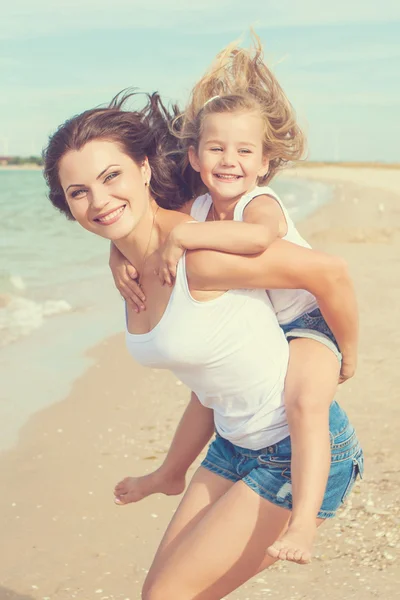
(78, 193)
(245, 151)
(216, 149)
(111, 176)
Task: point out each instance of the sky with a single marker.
(338, 63)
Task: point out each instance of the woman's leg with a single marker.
(310, 386)
(204, 489)
(215, 542)
(193, 432)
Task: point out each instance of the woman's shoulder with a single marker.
(172, 218)
(187, 207)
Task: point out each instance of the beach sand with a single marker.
(62, 537)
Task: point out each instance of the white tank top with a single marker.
(231, 352)
(288, 304)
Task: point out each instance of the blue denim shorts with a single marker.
(267, 471)
(312, 325)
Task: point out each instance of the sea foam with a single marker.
(19, 316)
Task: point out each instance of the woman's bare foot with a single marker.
(296, 544)
(133, 489)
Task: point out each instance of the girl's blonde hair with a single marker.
(239, 80)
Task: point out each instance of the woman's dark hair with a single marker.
(140, 134)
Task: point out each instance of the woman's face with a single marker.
(104, 188)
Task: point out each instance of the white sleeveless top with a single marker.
(231, 352)
(288, 304)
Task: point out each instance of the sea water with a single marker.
(57, 297)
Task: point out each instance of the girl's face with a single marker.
(104, 188)
(230, 154)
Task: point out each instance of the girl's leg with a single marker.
(310, 386)
(215, 542)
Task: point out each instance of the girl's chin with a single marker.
(227, 191)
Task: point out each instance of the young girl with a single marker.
(238, 131)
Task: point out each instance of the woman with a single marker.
(219, 337)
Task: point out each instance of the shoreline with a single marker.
(24, 167)
(300, 166)
(71, 453)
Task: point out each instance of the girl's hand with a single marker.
(124, 275)
(168, 257)
(347, 370)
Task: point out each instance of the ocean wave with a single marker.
(20, 316)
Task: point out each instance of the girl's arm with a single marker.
(260, 229)
(124, 275)
(288, 266)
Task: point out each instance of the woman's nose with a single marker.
(98, 198)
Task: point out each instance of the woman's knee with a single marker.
(150, 591)
(155, 589)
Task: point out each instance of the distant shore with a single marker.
(24, 167)
(309, 164)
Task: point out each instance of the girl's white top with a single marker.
(231, 352)
(288, 304)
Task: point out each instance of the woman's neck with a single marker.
(145, 238)
(149, 234)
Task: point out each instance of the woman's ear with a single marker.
(194, 159)
(146, 171)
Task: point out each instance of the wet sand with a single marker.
(63, 537)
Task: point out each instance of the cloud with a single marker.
(45, 17)
(371, 53)
(346, 99)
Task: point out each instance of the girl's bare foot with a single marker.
(133, 489)
(296, 544)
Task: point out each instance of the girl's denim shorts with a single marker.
(267, 471)
(312, 325)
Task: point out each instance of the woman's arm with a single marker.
(287, 266)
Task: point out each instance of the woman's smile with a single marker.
(110, 217)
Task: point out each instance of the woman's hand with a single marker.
(347, 369)
(168, 257)
(124, 275)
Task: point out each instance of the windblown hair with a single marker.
(239, 80)
(140, 134)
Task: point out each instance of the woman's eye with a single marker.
(77, 193)
(111, 176)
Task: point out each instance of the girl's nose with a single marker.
(228, 158)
